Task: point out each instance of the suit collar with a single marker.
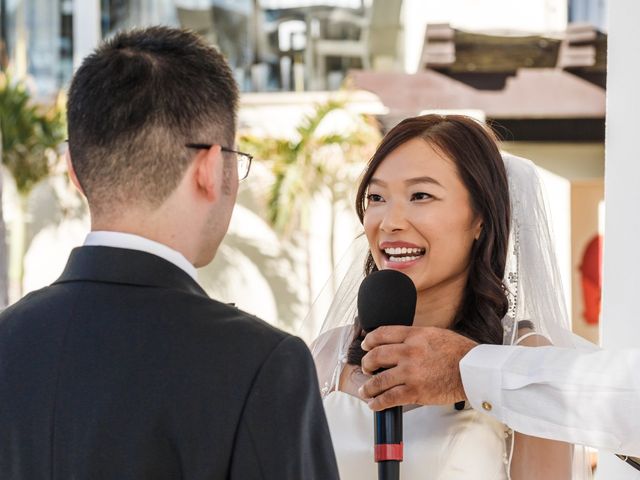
(102, 238)
(126, 267)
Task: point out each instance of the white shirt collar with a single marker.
(136, 242)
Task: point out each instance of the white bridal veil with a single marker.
(532, 278)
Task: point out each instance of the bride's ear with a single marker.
(478, 229)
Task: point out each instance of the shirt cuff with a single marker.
(481, 372)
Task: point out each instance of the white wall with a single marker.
(620, 325)
(86, 29)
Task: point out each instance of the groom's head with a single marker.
(133, 106)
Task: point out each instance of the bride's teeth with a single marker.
(402, 259)
(404, 251)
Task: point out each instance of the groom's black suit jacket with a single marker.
(125, 369)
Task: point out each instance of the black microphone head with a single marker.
(386, 297)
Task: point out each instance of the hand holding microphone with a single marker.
(387, 297)
(425, 366)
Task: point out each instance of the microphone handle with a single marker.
(389, 470)
(388, 442)
(388, 426)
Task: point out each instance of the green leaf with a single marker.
(303, 168)
(31, 134)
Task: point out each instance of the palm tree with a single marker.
(319, 161)
(30, 135)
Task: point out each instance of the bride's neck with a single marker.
(437, 306)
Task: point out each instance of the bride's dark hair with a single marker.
(472, 146)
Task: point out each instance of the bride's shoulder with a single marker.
(332, 336)
(527, 335)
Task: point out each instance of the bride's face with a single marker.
(419, 218)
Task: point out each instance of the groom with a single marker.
(124, 368)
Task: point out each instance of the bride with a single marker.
(439, 203)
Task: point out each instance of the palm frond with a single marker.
(302, 168)
(30, 135)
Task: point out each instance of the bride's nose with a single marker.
(394, 218)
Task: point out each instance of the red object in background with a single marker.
(591, 273)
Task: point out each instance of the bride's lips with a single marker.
(401, 255)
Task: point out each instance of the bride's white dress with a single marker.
(440, 442)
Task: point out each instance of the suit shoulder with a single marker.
(291, 345)
(43, 298)
(223, 318)
(290, 360)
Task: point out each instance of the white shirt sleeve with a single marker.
(584, 397)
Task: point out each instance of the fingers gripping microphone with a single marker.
(387, 297)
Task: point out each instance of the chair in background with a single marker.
(578, 47)
(279, 38)
(228, 27)
(378, 44)
(200, 21)
(439, 45)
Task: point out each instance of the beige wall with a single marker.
(573, 161)
(585, 200)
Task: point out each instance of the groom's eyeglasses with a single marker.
(244, 159)
(633, 461)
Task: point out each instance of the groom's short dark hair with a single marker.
(135, 102)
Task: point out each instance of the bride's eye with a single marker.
(421, 196)
(374, 198)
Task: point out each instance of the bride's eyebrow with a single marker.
(409, 181)
(416, 180)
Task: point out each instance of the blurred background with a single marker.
(321, 81)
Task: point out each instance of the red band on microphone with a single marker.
(388, 451)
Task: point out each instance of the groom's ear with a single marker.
(72, 172)
(208, 172)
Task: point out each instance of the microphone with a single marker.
(387, 297)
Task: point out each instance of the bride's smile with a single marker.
(401, 255)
